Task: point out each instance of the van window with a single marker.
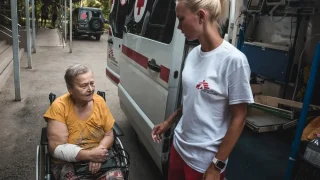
(117, 18)
(158, 21)
(96, 13)
(84, 14)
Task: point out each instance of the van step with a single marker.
(6, 65)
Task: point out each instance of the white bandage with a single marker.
(67, 152)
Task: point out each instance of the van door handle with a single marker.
(152, 64)
(110, 41)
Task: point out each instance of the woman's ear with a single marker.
(69, 89)
(201, 15)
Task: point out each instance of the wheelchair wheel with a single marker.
(40, 166)
(43, 158)
(124, 161)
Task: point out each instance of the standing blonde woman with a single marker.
(216, 91)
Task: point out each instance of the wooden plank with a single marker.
(275, 102)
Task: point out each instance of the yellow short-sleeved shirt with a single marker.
(84, 133)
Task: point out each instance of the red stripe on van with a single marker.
(164, 73)
(135, 56)
(112, 77)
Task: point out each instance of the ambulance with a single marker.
(146, 53)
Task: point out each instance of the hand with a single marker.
(158, 130)
(98, 154)
(94, 167)
(212, 173)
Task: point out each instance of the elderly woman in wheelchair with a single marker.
(80, 131)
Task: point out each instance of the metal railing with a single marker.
(6, 17)
(5, 33)
(6, 28)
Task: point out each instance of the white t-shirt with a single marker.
(211, 82)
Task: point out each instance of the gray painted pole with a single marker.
(65, 20)
(28, 34)
(15, 49)
(34, 50)
(70, 23)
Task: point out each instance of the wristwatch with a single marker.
(218, 163)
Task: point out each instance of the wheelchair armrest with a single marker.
(44, 137)
(117, 130)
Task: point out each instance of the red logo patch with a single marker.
(203, 85)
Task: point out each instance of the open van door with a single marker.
(151, 62)
(118, 12)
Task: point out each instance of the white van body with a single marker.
(149, 95)
(150, 65)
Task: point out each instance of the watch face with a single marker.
(220, 164)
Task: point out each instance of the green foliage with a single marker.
(103, 4)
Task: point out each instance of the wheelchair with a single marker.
(43, 157)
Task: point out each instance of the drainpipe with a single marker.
(15, 49)
(28, 34)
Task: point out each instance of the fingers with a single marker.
(156, 138)
(153, 131)
(90, 167)
(93, 170)
(98, 167)
(94, 167)
(156, 134)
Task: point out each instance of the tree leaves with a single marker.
(103, 4)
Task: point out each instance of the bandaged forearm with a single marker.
(67, 152)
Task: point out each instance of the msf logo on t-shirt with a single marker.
(204, 86)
